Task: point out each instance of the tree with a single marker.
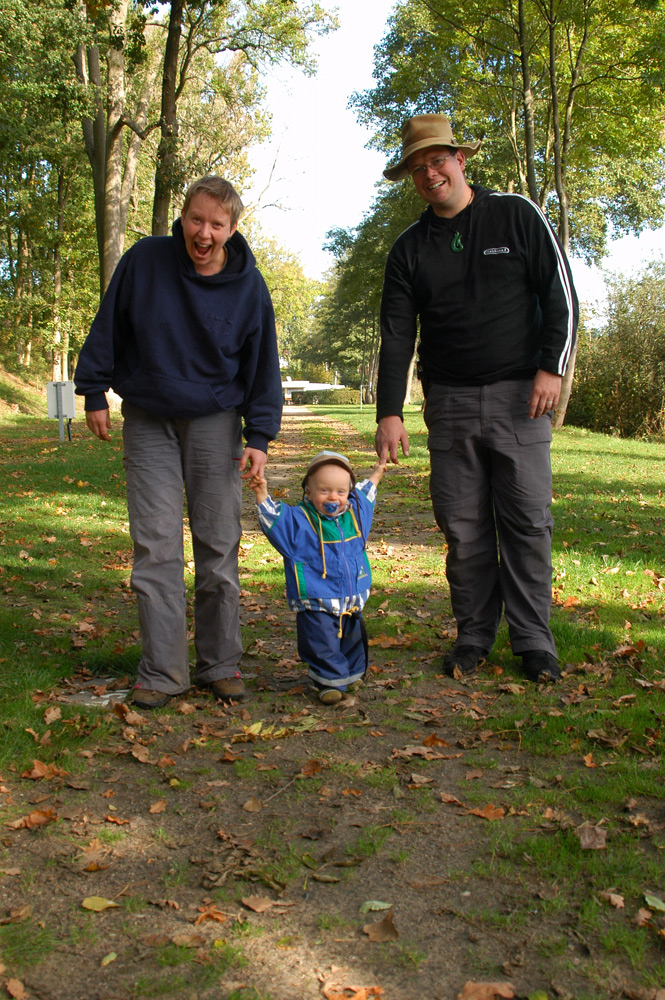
(44, 219)
(293, 295)
(620, 386)
(347, 316)
(117, 68)
(566, 95)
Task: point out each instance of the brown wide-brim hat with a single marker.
(328, 458)
(423, 131)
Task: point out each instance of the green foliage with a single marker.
(546, 87)
(293, 296)
(83, 80)
(620, 373)
(346, 329)
(44, 211)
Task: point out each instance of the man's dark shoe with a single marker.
(228, 688)
(463, 662)
(540, 666)
(147, 698)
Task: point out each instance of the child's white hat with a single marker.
(328, 458)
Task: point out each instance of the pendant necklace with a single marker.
(456, 244)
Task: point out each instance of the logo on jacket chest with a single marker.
(494, 250)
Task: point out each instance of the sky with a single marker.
(317, 173)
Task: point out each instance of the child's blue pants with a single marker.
(334, 661)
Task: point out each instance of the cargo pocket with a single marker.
(527, 430)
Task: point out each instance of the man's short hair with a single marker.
(219, 189)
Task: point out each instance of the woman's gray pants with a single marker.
(491, 489)
(161, 456)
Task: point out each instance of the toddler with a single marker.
(323, 542)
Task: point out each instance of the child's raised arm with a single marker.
(260, 486)
(376, 474)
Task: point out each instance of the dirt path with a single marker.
(243, 849)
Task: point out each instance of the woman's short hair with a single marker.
(221, 190)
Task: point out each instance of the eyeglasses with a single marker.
(435, 164)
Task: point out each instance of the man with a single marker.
(186, 335)
(487, 279)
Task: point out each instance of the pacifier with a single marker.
(331, 508)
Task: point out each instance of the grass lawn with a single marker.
(518, 831)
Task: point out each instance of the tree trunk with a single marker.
(560, 149)
(409, 379)
(94, 132)
(168, 145)
(527, 99)
(113, 171)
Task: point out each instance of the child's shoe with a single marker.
(330, 696)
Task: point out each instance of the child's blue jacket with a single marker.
(325, 561)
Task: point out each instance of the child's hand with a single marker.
(377, 472)
(259, 484)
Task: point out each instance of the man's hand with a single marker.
(99, 422)
(390, 433)
(545, 392)
(252, 463)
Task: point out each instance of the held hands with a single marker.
(377, 472)
(252, 463)
(251, 468)
(260, 486)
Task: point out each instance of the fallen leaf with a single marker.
(311, 767)
(189, 940)
(653, 902)
(16, 989)
(490, 812)
(613, 898)
(592, 838)
(435, 741)
(374, 904)
(40, 817)
(98, 904)
(210, 913)
(259, 904)
(253, 805)
(419, 780)
(111, 957)
(158, 807)
(472, 775)
(383, 930)
(41, 771)
(449, 799)
(642, 917)
(512, 688)
(17, 915)
(486, 991)
(185, 708)
(52, 715)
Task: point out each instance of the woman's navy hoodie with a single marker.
(182, 345)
